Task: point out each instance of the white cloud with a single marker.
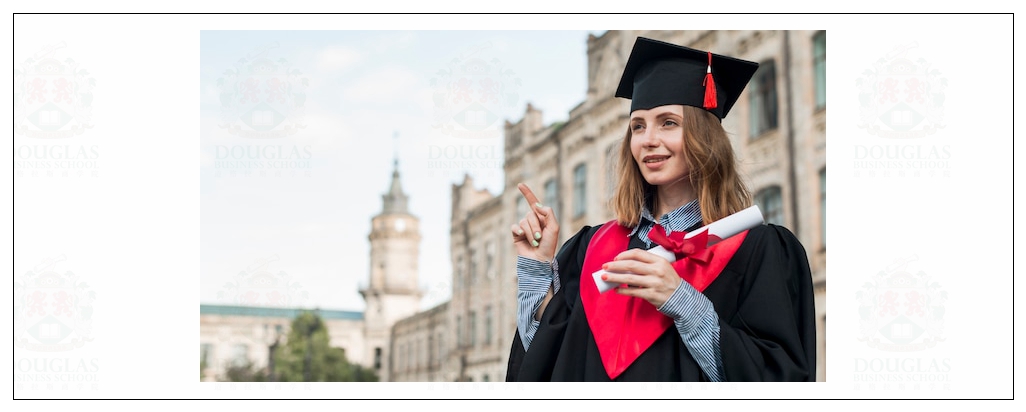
(335, 59)
(388, 85)
(396, 40)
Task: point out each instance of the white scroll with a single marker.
(718, 230)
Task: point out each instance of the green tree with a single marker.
(244, 373)
(306, 356)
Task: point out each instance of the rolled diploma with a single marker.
(718, 230)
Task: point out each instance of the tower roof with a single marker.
(394, 200)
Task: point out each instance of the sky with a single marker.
(299, 130)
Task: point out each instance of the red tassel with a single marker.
(710, 87)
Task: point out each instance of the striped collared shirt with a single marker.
(693, 314)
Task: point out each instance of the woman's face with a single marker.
(657, 143)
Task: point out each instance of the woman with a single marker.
(741, 310)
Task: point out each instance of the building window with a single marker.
(205, 349)
(402, 357)
(240, 355)
(377, 358)
(580, 185)
(822, 207)
(484, 378)
(821, 355)
(459, 331)
(612, 160)
(409, 355)
(819, 67)
(473, 267)
(763, 98)
(431, 350)
(488, 325)
(472, 328)
(490, 268)
(441, 347)
(552, 196)
(458, 271)
(521, 209)
(769, 200)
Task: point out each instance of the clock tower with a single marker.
(392, 292)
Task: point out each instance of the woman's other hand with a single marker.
(650, 277)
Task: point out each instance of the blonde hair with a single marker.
(714, 175)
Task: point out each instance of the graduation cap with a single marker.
(660, 73)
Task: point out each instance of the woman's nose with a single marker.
(650, 139)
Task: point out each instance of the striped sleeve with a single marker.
(533, 280)
(698, 324)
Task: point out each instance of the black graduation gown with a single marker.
(763, 297)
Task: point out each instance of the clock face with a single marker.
(400, 225)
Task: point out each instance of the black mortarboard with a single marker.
(660, 73)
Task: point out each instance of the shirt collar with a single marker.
(677, 220)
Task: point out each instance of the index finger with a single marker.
(532, 200)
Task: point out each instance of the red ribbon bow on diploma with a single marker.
(623, 326)
(695, 248)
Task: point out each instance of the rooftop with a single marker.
(266, 312)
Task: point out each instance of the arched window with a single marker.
(488, 325)
(474, 267)
(205, 353)
(521, 209)
(552, 196)
(459, 331)
(819, 67)
(612, 160)
(472, 329)
(240, 355)
(771, 204)
(763, 100)
(822, 208)
(580, 185)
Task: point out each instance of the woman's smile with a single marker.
(654, 162)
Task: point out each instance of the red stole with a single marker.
(623, 326)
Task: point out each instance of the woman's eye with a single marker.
(669, 123)
(637, 126)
